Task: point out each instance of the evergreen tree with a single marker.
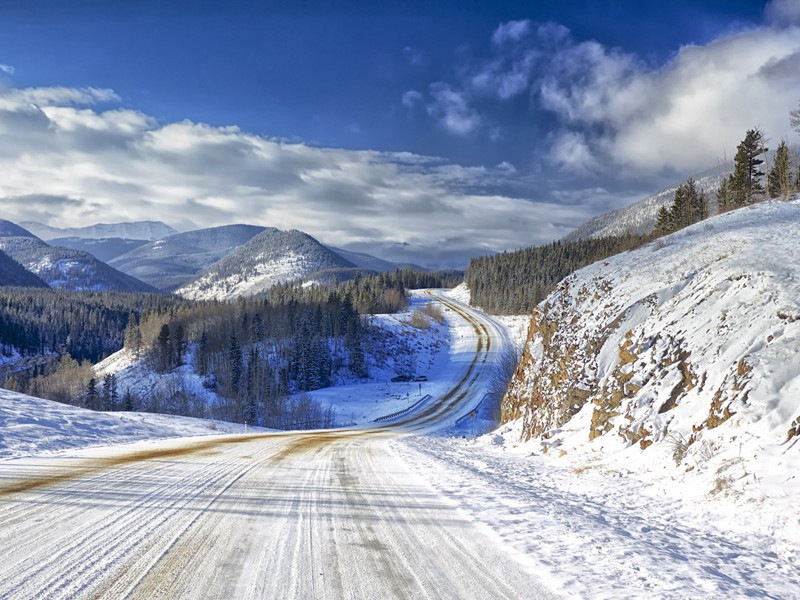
(107, 403)
(164, 340)
(235, 366)
(780, 176)
(663, 222)
(91, 394)
(127, 400)
(745, 183)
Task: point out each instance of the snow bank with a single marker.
(32, 426)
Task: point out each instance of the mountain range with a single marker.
(63, 268)
(136, 230)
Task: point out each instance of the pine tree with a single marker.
(235, 366)
(680, 209)
(91, 394)
(663, 224)
(746, 185)
(127, 400)
(794, 119)
(780, 176)
(164, 348)
(107, 404)
(697, 202)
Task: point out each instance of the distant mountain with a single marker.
(137, 230)
(63, 268)
(271, 257)
(175, 260)
(640, 217)
(13, 273)
(103, 248)
(373, 263)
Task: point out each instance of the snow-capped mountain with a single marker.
(63, 268)
(12, 273)
(679, 357)
(271, 257)
(135, 230)
(640, 217)
(373, 263)
(175, 260)
(103, 248)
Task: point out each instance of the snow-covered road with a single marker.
(333, 514)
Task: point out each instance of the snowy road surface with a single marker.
(331, 514)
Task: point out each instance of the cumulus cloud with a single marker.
(605, 109)
(451, 108)
(67, 162)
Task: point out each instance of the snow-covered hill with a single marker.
(175, 260)
(64, 268)
(271, 257)
(679, 361)
(13, 273)
(640, 217)
(136, 230)
(104, 249)
(33, 426)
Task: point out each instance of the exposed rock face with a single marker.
(673, 339)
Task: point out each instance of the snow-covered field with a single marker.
(30, 426)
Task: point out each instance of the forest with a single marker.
(253, 353)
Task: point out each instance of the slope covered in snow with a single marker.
(65, 268)
(33, 426)
(136, 230)
(271, 257)
(175, 260)
(640, 217)
(679, 362)
(13, 273)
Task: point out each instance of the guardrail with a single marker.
(406, 410)
(470, 412)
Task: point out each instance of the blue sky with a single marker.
(517, 98)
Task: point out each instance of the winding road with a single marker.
(324, 514)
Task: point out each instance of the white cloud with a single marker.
(451, 108)
(8, 69)
(511, 31)
(70, 163)
(614, 112)
(411, 98)
(783, 12)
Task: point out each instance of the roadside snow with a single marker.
(31, 426)
(598, 534)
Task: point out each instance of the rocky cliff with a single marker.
(691, 343)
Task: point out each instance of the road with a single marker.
(329, 514)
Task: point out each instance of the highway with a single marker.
(322, 514)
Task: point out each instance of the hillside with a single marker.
(271, 257)
(678, 361)
(640, 217)
(12, 273)
(136, 230)
(104, 249)
(175, 260)
(64, 268)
